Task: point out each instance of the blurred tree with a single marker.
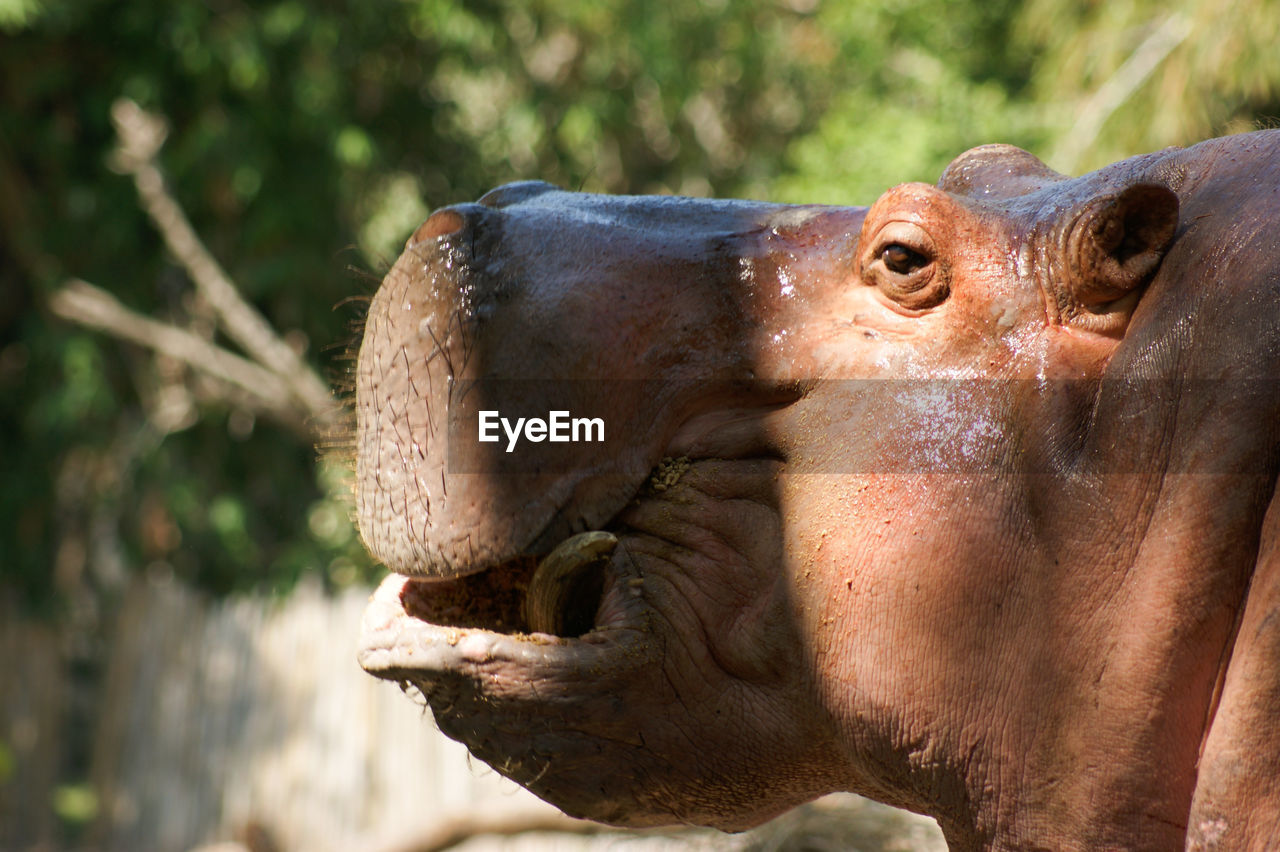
(307, 138)
(1125, 78)
(909, 86)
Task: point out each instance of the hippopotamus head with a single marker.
(700, 509)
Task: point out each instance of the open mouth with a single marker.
(564, 593)
(558, 595)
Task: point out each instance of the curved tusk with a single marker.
(552, 584)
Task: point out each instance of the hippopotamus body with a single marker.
(964, 501)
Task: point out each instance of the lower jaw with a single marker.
(398, 643)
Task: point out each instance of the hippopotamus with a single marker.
(964, 502)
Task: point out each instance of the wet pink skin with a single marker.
(975, 520)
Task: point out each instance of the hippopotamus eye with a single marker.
(902, 260)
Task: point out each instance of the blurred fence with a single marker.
(33, 697)
(249, 720)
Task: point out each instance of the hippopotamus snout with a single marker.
(630, 315)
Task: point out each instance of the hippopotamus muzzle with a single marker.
(670, 321)
(647, 313)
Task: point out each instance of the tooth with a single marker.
(548, 594)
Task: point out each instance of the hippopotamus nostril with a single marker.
(441, 223)
(514, 193)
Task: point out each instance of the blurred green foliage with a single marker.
(75, 803)
(308, 138)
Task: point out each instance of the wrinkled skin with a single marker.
(977, 518)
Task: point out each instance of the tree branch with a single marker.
(93, 307)
(141, 135)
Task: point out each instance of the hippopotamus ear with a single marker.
(1117, 241)
(996, 171)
